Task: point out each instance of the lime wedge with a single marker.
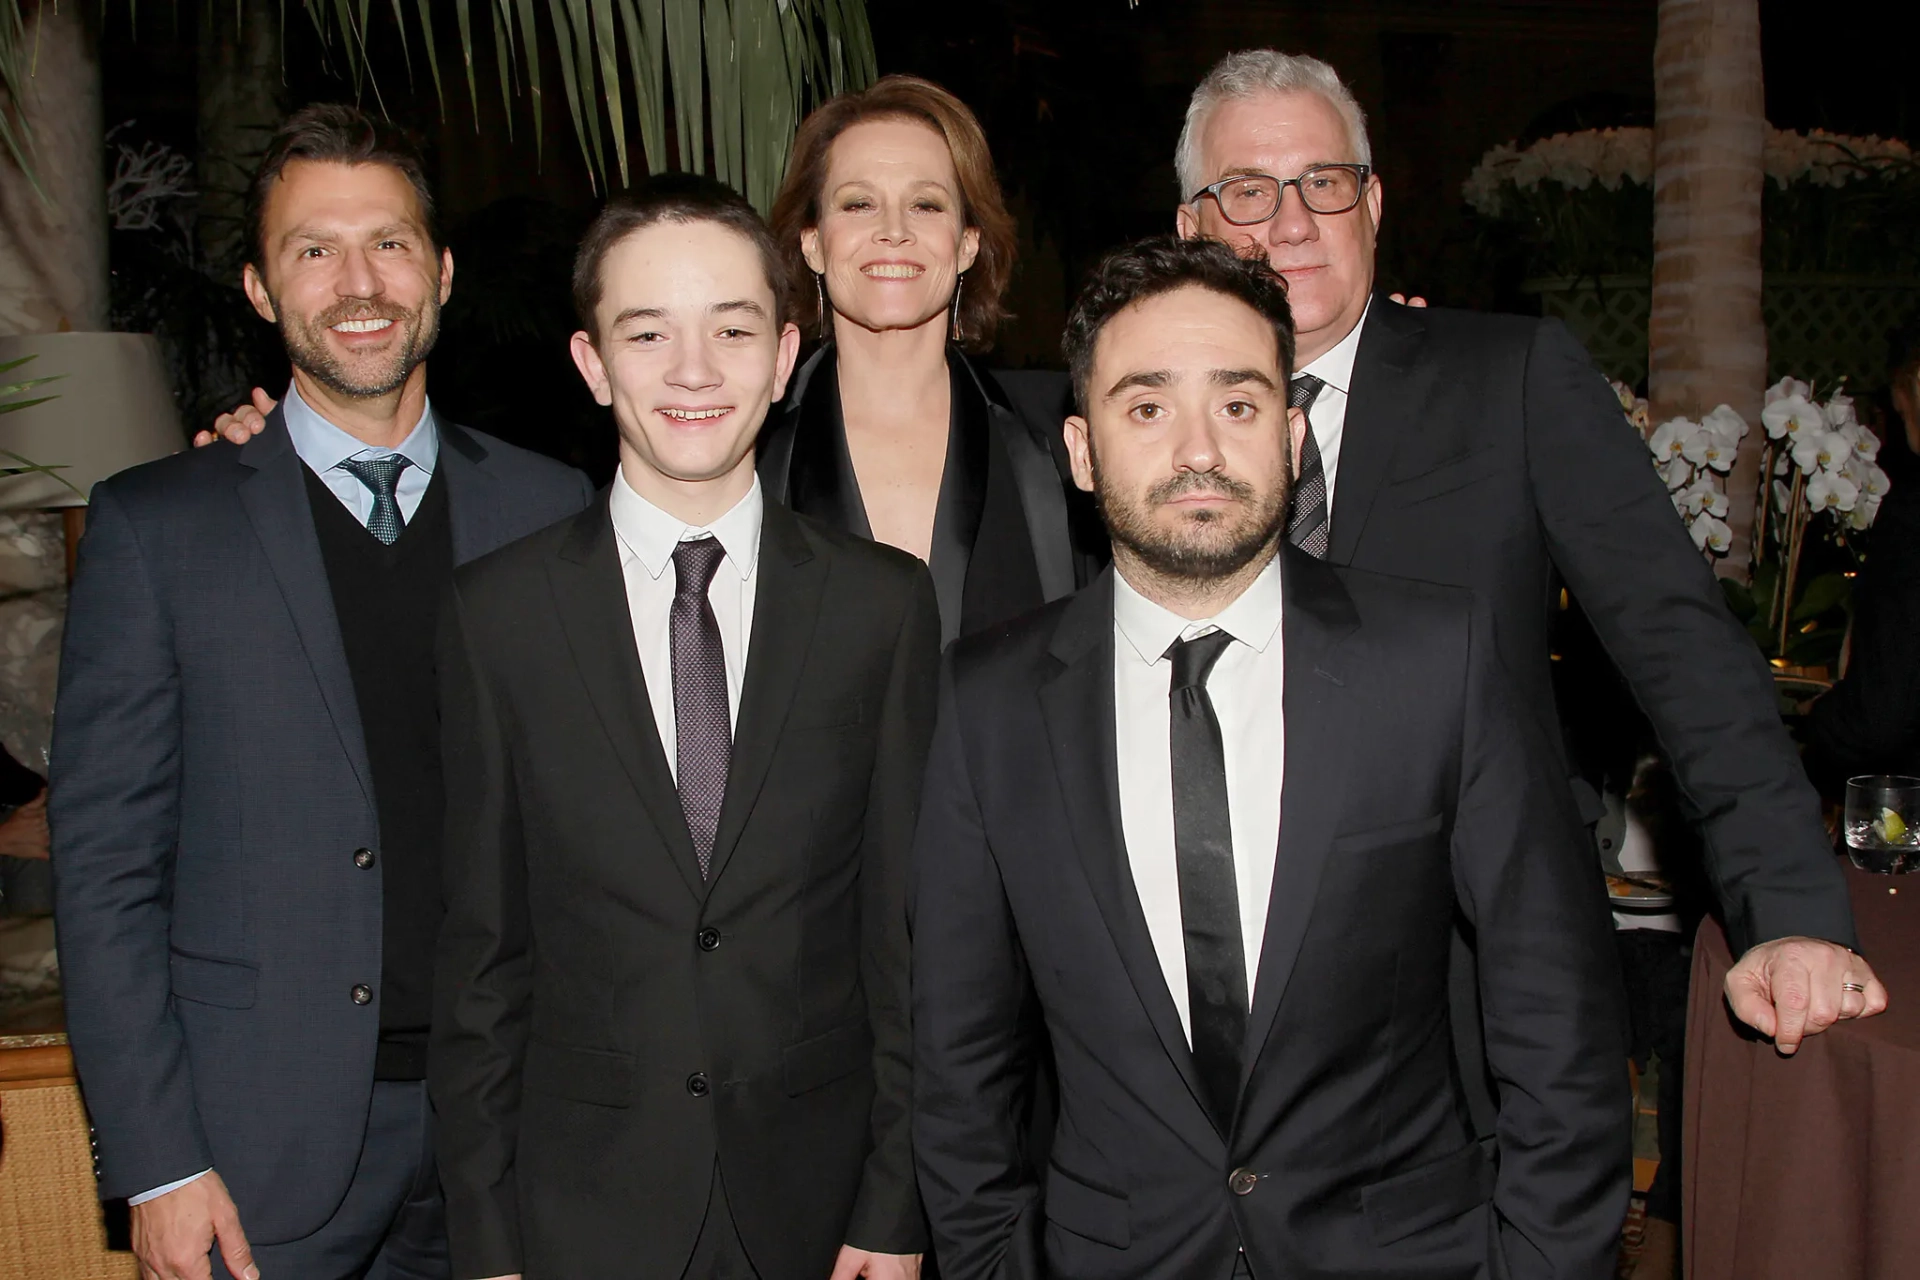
(1891, 828)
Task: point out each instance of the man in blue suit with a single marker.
(246, 793)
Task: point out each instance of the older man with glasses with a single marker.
(1486, 451)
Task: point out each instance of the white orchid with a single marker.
(1676, 473)
(1703, 495)
(1875, 484)
(1839, 409)
(1863, 512)
(1710, 533)
(1824, 450)
(1791, 417)
(1830, 491)
(1711, 448)
(1670, 438)
(1782, 496)
(1788, 387)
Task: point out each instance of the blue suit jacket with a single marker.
(209, 788)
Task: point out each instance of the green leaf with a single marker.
(683, 62)
(1828, 591)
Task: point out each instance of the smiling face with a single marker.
(1187, 440)
(350, 275)
(892, 238)
(1327, 259)
(689, 355)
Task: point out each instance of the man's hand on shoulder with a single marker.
(241, 425)
(173, 1233)
(854, 1262)
(1792, 988)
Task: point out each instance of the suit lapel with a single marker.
(1042, 498)
(476, 500)
(1390, 384)
(1078, 707)
(1317, 617)
(275, 499)
(590, 594)
(786, 603)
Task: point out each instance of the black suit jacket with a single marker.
(210, 788)
(1413, 789)
(1010, 531)
(1487, 452)
(608, 1025)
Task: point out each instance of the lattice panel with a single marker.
(50, 1226)
(1818, 327)
(1610, 319)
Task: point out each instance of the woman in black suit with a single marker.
(891, 431)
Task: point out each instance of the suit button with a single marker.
(1242, 1181)
(363, 858)
(709, 939)
(362, 994)
(697, 1084)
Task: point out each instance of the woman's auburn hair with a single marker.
(797, 207)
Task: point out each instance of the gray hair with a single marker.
(1256, 71)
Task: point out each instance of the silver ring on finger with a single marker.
(1853, 986)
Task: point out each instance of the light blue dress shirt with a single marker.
(323, 447)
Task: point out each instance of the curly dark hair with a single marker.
(1161, 264)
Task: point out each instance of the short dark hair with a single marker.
(340, 134)
(671, 197)
(1161, 264)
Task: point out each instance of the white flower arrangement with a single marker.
(1691, 457)
(1611, 157)
(1822, 456)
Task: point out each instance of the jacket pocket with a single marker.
(1086, 1210)
(825, 1058)
(1429, 1195)
(225, 984)
(598, 1076)
(1448, 476)
(1394, 833)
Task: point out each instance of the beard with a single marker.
(1206, 545)
(377, 374)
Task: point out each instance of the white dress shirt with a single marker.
(1246, 687)
(323, 447)
(648, 537)
(1328, 413)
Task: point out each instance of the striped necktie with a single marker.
(1307, 519)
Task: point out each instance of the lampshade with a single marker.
(112, 410)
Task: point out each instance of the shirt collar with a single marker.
(649, 534)
(1150, 629)
(323, 446)
(1335, 368)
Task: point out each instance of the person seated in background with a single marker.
(891, 211)
(685, 732)
(1869, 722)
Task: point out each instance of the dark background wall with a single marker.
(1082, 101)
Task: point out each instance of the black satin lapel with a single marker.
(1042, 494)
(590, 595)
(1317, 618)
(275, 498)
(785, 606)
(1390, 388)
(1078, 708)
(820, 479)
(963, 493)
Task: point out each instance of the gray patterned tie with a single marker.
(703, 731)
(1307, 519)
(382, 478)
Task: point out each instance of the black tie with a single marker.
(703, 730)
(1307, 518)
(1209, 896)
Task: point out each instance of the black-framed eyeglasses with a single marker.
(1248, 198)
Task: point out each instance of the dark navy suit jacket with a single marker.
(210, 787)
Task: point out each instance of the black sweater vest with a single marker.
(387, 600)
